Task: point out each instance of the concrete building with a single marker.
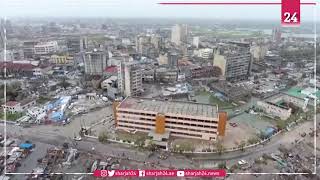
(95, 62)
(61, 59)
(258, 51)
(179, 34)
(234, 59)
(179, 119)
(6, 55)
(18, 107)
(28, 49)
(166, 75)
(163, 59)
(130, 78)
(77, 44)
(173, 58)
(148, 45)
(141, 41)
(195, 41)
(2, 35)
(43, 48)
(275, 110)
(280, 104)
(205, 72)
(204, 53)
(276, 35)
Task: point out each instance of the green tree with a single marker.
(103, 137)
(140, 142)
(253, 140)
(220, 147)
(222, 165)
(242, 145)
(281, 124)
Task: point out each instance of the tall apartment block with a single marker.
(76, 44)
(175, 118)
(28, 49)
(95, 62)
(179, 34)
(2, 36)
(234, 59)
(130, 78)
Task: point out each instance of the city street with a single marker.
(56, 136)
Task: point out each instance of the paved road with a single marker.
(56, 136)
(251, 154)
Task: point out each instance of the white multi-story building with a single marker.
(196, 41)
(204, 53)
(46, 47)
(179, 34)
(130, 78)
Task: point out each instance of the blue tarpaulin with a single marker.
(269, 132)
(25, 146)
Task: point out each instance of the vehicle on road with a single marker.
(78, 138)
(233, 124)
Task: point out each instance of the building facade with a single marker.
(61, 59)
(180, 119)
(77, 44)
(130, 78)
(45, 48)
(179, 34)
(28, 49)
(234, 60)
(95, 62)
(18, 107)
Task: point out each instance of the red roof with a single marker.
(111, 69)
(16, 66)
(11, 103)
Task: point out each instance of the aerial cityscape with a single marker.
(85, 94)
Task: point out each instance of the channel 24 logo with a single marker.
(107, 173)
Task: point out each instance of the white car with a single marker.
(242, 162)
(77, 138)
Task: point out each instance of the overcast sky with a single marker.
(146, 8)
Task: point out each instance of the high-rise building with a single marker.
(95, 62)
(173, 59)
(234, 59)
(196, 41)
(2, 35)
(276, 35)
(28, 49)
(141, 40)
(179, 34)
(77, 44)
(130, 78)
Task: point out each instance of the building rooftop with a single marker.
(11, 103)
(303, 93)
(174, 107)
